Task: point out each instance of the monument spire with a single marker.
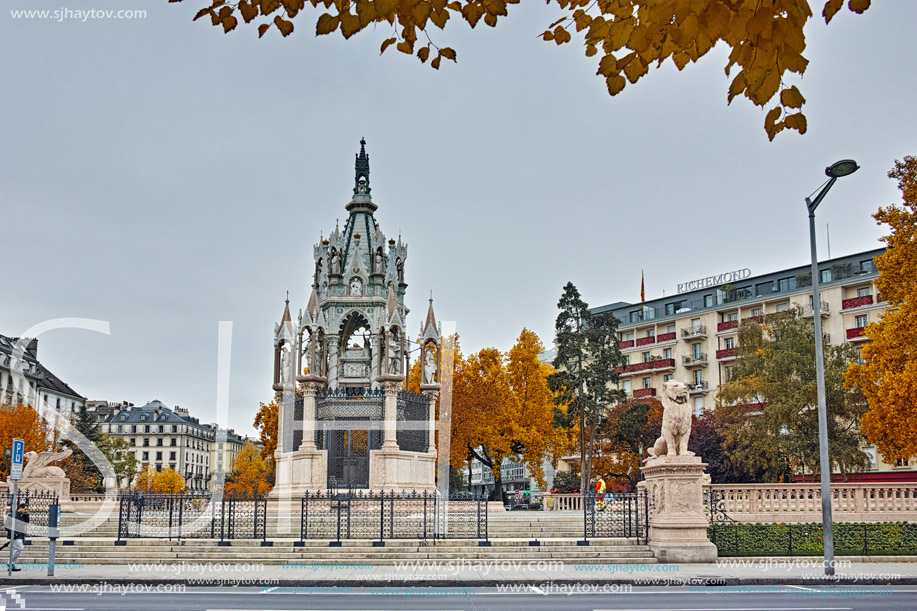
(361, 179)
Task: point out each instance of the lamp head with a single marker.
(844, 167)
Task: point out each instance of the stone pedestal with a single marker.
(304, 469)
(393, 469)
(678, 527)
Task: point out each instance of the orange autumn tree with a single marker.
(168, 481)
(625, 37)
(145, 479)
(20, 421)
(624, 436)
(266, 421)
(502, 407)
(250, 473)
(888, 377)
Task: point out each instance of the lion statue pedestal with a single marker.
(675, 481)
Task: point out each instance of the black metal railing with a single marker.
(360, 514)
(192, 516)
(37, 503)
(616, 514)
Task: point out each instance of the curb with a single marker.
(711, 581)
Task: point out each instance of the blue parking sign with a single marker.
(18, 455)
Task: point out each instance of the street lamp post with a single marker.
(835, 171)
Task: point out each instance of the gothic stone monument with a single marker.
(675, 481)
(345, 420)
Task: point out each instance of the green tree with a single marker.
(120, 454)
(766, 37)
(767, 413)
(85, 475)
(587, 360)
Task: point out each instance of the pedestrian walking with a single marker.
(18, 541)
(600, 494)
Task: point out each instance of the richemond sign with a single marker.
(719, 280)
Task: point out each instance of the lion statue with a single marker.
(676, 422)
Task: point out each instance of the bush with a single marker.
(850, 539)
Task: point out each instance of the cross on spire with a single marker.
(361, 179)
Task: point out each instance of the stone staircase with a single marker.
(512, 537)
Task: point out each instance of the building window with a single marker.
(786, 284)
(626, 387)
(629, 337)
(220, 446)
(133, 441)
(867, 266)
(782, 307)
(146, 441)
(695, 324)
(626, 360)
(901, 462)
(667, 353)
(146, 428)
(158, 455)
(698, 406)
(825, 275)
(174, 442)
(698, 377)
(870, 458)
(764, 288)
(756, 312)
(729, 372)
(647, 382)
(670, 329)
(650, 333)
(161, 429)
(729, 343)
(635, 316)
(732, 316)
(646, 357)
(667, 377)
(669, 309)
(146, 456)
(708, 301)
(119, 429)
(861, 321)
(863, 292)
(174, 429)
(696, 350)
(159, 442)
(172, 456)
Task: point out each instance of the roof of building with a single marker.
(738, 289)
(154, 411)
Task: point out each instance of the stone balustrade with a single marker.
(563, 501)
(801, 502)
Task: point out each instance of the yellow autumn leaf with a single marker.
(791, 98)
(326, 24)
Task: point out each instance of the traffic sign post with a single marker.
(15, 476)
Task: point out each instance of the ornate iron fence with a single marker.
(362, 514)
(186, 516)
(37, 503)
(616, 514)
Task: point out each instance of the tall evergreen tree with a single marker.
(587, 362)
(85, 475)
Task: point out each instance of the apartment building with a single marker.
(162, 437)
(692, 335)
(36, 386)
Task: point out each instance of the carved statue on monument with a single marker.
(379, 261)
(356, 287)
(394, 354)
(429, 367)
(676, 422)
(284, 364)
(37, 464)
(335, 261)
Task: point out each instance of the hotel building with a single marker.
(691, 336)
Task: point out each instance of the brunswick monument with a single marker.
(345, 419)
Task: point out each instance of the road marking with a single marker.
(802, 588)
(738, 609)
(537, 591)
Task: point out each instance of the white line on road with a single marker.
(802, 588)
(738, 609)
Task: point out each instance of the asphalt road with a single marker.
(618, 598)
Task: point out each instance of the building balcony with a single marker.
(856, 302)
(698, 389)
(694, 360)
(808, 311)
(626, 344)
(727, 325)
(644, 392)
(758, 319)
(694, 332)
(653, 366)
(726, 354)
(646, 341)
(666, 337)
(857, 334)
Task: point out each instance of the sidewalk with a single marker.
(476, 573)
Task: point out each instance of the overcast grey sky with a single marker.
(163, 176)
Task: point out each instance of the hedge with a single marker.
(805, 539)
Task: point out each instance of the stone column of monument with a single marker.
(675, 484)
